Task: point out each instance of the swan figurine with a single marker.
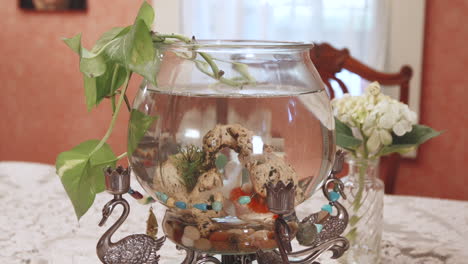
(133, 249)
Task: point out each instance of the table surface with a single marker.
(38, 225)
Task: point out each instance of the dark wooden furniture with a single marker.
(330, 61)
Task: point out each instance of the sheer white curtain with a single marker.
(362, 26)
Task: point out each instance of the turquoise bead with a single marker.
(244, 199)
(319, 227)
(201, 206)
(217, 206)
(162, 197)
(180, 205)
(334, 196)
(327, 208)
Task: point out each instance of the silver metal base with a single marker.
(280, 200)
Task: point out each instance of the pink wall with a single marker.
(42, 94)
(441, 168)
(44, 112)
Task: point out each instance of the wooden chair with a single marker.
(330, 61)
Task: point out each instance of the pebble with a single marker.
(322, 216)
(334, 196)
(260, 235)
(265, 244)
(244, 199)
(203, 244)
(187, 242)
(191, 233)
(246, 232)
(222, 246)
(235, 231)
(170, 202)
(306, 234)
(217, 206)
(201, 206)
(319, 227)
(246, 246)
(162, 197)
(327, 208)
(219, 236)
(180, 205)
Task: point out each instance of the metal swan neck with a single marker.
(342, 213)
(105, 242)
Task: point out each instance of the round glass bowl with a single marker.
(226, 119)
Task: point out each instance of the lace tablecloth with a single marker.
(38, 225)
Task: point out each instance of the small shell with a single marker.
(191, 232)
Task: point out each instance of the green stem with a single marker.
(212, 64)
(127, 102)
(114, 77)
(114, 117)
(113, 103)
(205, 56)
(362, 172)
(361, 181)
(122, 156)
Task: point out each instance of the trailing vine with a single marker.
(107, 69)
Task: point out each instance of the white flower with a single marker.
(374, 117)
(373, 88)
(402, 127)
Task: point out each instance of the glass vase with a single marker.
(365, 192)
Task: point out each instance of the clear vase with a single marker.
(365, 192)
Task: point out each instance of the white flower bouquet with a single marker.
(368, 127)
(373, 124)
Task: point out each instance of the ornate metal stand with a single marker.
(131, 249)
(319, 232)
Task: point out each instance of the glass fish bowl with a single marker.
(226, 119)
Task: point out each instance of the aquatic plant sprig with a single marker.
(189, 163)
(107, 69)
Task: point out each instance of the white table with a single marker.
(38, 225)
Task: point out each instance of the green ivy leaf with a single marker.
(81, 173)
(74, 43)
(344, 136)
(108, 37)
(90, 91)
(107, 87)
(97, 78)
(92, 65)
(418, 135)
(135, 51)
(146, 13)
(139, 124)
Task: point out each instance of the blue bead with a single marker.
(244, 199)
(319, 227)
(334, 196)
(180, 205)
(201, 206)
(217, 206)
(327, 208)
(162, 197)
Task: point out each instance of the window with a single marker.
(343, 23)
(384, 34)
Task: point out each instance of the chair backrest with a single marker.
(329, 61)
